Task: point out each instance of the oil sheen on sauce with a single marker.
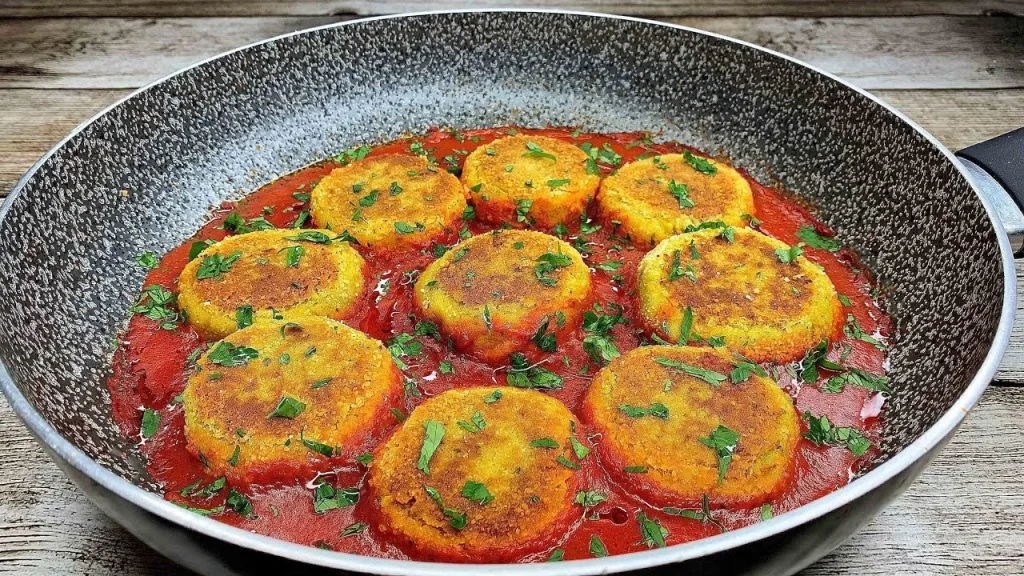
(150, 368)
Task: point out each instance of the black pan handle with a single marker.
(997, 168)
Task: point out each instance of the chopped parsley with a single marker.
(234, 223)
(548, 263)
(446, 367)
(147, 260)
(681, 192)
(651, 531)
(326, 497)
(318, 447)
(287, 407)
(243, 316)
(597, 547)
(476, 423)
(743, 368)
(590, 498)
(557, 183)
(456, 518)
(215, 265)
(522, 375)
(535, 151)
(406, 228)
(702, 165)
(677, 271)
(710, 376)
(198, 247)
(229, 355)
(353, 529)
(431, 440)
(657, 409)
(703, 515)
(544, 443)
(723, 441)
(853, 330)
(815, 360)
(857, 377)
(404, 345)
(811, 237)
(544, 340)
(492, 397)
(790, 254)
(351, 155)
(239, 503)
(523, 206)
(477, 492)
(821, 432)
(150, 422)
(157, 303)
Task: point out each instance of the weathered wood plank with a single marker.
(877, 53)
(963, 517)
(149, 8)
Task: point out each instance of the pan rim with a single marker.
(156, 505)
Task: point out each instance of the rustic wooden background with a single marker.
(957, 68)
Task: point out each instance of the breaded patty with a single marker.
(271, 401)
(669, 415)
(283, 271)
(740, 291)
(529, 181)
(477, 474)
(491, 292)
(657, 197)
(388, 200)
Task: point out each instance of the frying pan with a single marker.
(143, 174)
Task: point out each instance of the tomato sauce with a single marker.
(150, 369)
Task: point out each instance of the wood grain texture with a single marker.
(964, 516)
(97, 8)
(927, 52)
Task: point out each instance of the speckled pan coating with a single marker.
(144, 175)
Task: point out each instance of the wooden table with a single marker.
(957, 68)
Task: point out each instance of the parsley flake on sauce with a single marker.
(522, 375)
(652, 532)
(702, 165)
(821, 432)
(150, 422)
(326, 497)
(148, 260)
(811, 237)
(431, 440)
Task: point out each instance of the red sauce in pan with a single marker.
(149, 371)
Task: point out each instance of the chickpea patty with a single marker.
(529, 181)
(490, 293)
(271, 401)
(674, 426)
(657, 197)
(477, 474)
(389, 200)
(253, 276)
(765, 300)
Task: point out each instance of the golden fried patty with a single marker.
(269, 402)
(668, 416)
(267, 273)
(477, 474)
(529, 181)
(490, 293)
(657, 197)
(388, 200)
(740, 291)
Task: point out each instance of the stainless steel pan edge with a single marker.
(94, 478)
